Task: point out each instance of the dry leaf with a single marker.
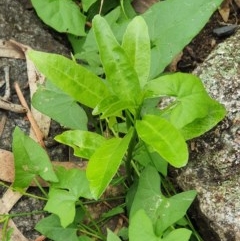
(8, 51)
(141, 6)
(34, 79)
(224, 9)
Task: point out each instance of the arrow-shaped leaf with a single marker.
(72, 78)
(164, 138)
(105, 162)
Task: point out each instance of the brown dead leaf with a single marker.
(224, 9)
(141, 6)
(8, 51)
(7, 171)
(34, 79)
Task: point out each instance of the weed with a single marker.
(135, 133)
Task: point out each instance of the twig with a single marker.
(7, 81)
(101, 6)
(34, 125)
(6, 105)
(40, 238)
(2, 123)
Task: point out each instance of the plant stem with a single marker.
(40, 187)
(129, 156)
(132, 144)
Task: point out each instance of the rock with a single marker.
(214, 166)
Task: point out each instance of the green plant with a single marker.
(172, 24)
(147, 121)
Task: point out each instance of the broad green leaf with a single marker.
(136, 44)
(141, 228)
(112, 106)
(145, 157)
(30, 161)
(112, 236)
(87, 3)
(60, 107)
(62, 15)
(62, 203)
(162, 211)
(216, 113)
(72, 185)
(73, 180)
(164, 138)
(192, 100)
(182, 234)
(52, 229)
(72, 78)
(105, 162)
(172, 25)
(148, 195)
(173, 209)
(121, 76)
(84, 143)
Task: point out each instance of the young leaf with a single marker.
(112, 236)
(84, 143)
(51, 228)
(62, 15)
(182, 234)
(28, 163)
(141, 228)
(63, 195)
(60, 107)
(105, 162)
(172, 25)
(192, 100)
(72, 78)
(136, 44)
(121, 76)
(112, 106)
(164, 138)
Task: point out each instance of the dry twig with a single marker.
(34, 125)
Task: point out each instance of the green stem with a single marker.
(87, 212)
(129, 156)
(40, 187)
(13, 215)
(132, 144)
(22, 192)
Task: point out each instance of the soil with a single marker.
(202, 45)
(193, 55)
